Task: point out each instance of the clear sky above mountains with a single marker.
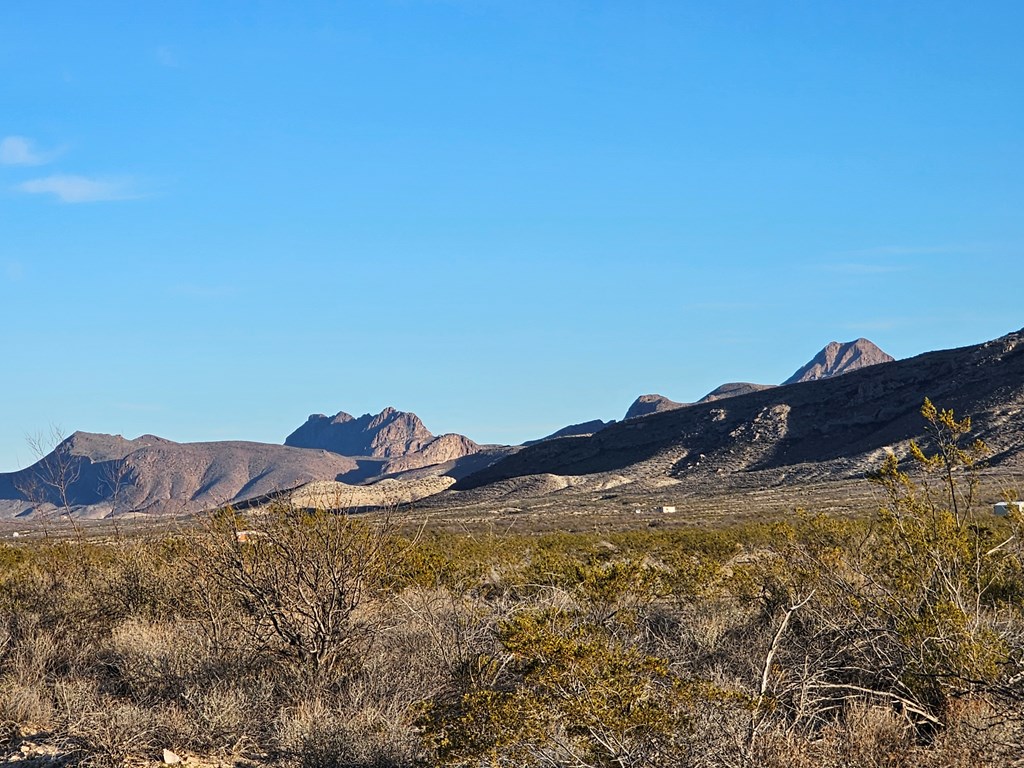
(217, 218)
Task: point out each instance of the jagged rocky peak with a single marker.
(839, 358)
(339, 418)
(388, 434)
(646, 404)
(395, 433)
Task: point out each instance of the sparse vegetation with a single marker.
(323, 640)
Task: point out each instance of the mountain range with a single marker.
(833, 416)
(834, 360)
(835, 426)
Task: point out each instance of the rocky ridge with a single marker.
(398, 439)
(828, 428)
(834, 360)
(386, 435)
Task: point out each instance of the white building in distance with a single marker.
(1002, 509)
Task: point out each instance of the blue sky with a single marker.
(217, 218)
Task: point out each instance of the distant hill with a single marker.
(389, 433)
(836, 359)
(828, 428)
(646, 404)
(97, 475)
(733, 389)
(573, 430)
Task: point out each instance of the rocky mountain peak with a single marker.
(408, 422)
(839, 358)
(389, 434)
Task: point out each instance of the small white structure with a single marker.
(667, 510)
(1002, 509)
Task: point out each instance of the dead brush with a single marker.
(317, 734)
(102, 730)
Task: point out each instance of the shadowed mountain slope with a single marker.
(838, 424)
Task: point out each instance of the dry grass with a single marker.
(116, 650)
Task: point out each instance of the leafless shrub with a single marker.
(25, 703)
(461, 630)
(981, 733)
(102, 729)
(214, 703)
(318, 735)
(297, 580)
(222, 717)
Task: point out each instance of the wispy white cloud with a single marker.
(203, 292)
(728, 306)
(887, 259)
(140, 407)
(166, 56)
(14, 271)
(863, 268)
(874, 325)
(17, 150)
(82, 189)
(909, 250)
